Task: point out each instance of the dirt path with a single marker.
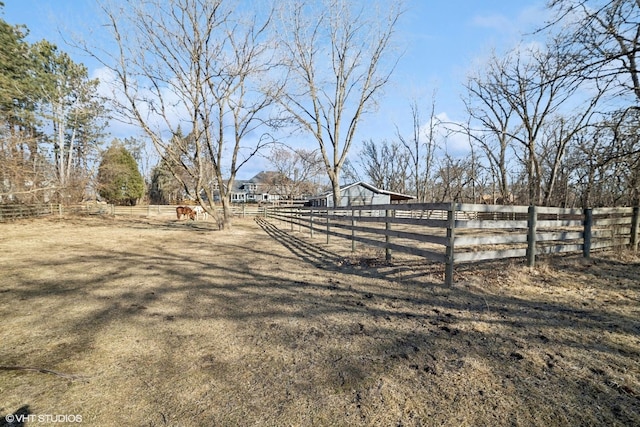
(174, 323)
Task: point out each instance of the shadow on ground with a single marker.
(262, 326)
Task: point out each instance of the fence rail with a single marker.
(18, 211)
(11, 212)
(455, 233)
(240, 210)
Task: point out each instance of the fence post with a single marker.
(311, 221)
(291, 216)
(353, 230)
(532, 224)
(635, 225)
(60, 210)
(451, 226)
(588, 223)
(387, 238)
(328, 226)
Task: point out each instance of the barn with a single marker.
(360, 194)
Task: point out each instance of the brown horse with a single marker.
(185, 211)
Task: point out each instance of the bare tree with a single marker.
(494, 118)
(421, 151)
(386, 164)
(559, 133)
(23, 175)
(453, 178)
(353, 44)
(198, 65)
(349, 174)
(524, 91)
(604, 162)
(604, 35)
(300, 169)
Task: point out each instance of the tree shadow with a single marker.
(16, 419)
(306, 324)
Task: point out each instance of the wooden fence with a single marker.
(12, 212)
(449, 233)
(454, 233)
(240, 210)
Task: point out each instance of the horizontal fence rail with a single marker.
(240, 210)
(12, 212)
(454, 233)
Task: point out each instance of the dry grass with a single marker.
(177, 324)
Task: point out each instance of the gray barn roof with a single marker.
(393, 196)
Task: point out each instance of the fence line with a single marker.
(449, 233)
(239, 210)
(11, 212)
(455, 233)
(17, 211)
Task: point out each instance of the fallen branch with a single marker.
(42, 370)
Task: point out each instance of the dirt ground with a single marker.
(164, 323)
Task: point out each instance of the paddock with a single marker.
(262, 325)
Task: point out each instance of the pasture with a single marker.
(138, 321)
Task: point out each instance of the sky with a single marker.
(441, 40)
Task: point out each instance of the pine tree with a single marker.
(119, 180)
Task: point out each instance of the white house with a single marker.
(263, 187)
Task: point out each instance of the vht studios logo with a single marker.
(20, 419)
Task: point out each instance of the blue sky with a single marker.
(442, 41)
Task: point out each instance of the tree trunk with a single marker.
(224, 222)
(335, 185)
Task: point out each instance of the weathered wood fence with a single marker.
(240, 210)
(454, 233)
(449, 233)
(11, 212)
(17, 211)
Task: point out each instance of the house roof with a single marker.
(264, 177)
(392, 195)
(267, 177)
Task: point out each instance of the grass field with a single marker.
(165, 323)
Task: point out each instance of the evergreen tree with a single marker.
(51, 121)
(165, 188)
(15, 80)
(72, 112)
(22, 170)
(119, 180)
